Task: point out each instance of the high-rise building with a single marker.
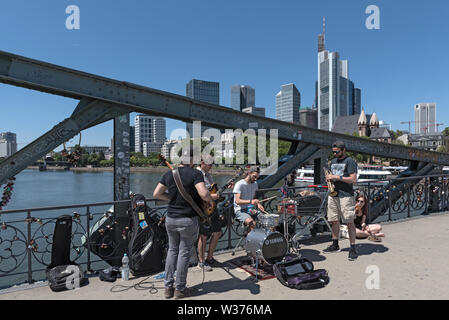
(255, 111)
(334, 90)
(288, 102)
(357, 100)
(149, 129)
(8, 144)
(132, 139)
(201, 90)
(308, 117)
(425, 118)
(242, 97)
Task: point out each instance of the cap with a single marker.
(339, 144)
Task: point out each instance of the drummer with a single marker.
(244, 197)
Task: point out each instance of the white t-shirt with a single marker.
(247, 192)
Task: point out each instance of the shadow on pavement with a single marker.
(365, 249)
(226, 285)
(327, 237)
(312, 255)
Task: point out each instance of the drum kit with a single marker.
(265, 244)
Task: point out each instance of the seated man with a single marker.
(244, 194)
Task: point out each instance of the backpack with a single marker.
(298, 273)
(66, 277)
(147, 240)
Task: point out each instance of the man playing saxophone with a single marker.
(343, 176)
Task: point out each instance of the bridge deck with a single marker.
(412, 261)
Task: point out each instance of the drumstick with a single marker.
(265, 200)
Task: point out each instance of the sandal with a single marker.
(374, 238)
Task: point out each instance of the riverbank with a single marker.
(215, 171)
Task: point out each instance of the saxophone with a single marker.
(330, 184)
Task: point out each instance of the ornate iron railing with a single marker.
(26, 235)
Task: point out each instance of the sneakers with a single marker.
(332, 248)
(204, 265)
(212, 262)
(187, 292)
(352, 254)
(169, 293)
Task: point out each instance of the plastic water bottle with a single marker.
(125, 267)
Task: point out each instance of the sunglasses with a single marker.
(336, 152)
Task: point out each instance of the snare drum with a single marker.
(268, 220)
(264, 244)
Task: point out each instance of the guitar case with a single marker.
(61, 271)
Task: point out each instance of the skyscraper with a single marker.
(357, 100)
(242, 97)
(425, 118)
(149, 129)
(334, 90)
(288, 102)
(308, 117)
(8, 144)
(201, 90)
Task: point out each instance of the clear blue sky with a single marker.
(164, 44)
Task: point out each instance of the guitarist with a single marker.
(182, 223)
(214, 230)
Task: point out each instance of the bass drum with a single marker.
(269, 246)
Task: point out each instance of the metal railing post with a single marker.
(229, 217)
(29, 248)
(369, 202)
(426, 192)
(389, 203)
(408, 200)
(88, 239)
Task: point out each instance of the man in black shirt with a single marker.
(344, 176)
(182, 224)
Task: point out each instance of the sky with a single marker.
(264, 44)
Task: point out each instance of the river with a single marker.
(35, 188)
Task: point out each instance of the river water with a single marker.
(35, 189)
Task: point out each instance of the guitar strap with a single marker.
(187, 197)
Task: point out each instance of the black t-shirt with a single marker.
(358, 221)
(344, 168)
(177, 206)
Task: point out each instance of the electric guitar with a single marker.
(214, 190)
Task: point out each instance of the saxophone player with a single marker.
(342, 205)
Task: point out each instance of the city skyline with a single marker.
(389, 85)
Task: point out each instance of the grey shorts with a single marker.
(242, 216)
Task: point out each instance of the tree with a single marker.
(443, 149)
(446, 132)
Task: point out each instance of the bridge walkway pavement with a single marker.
(412, 262)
